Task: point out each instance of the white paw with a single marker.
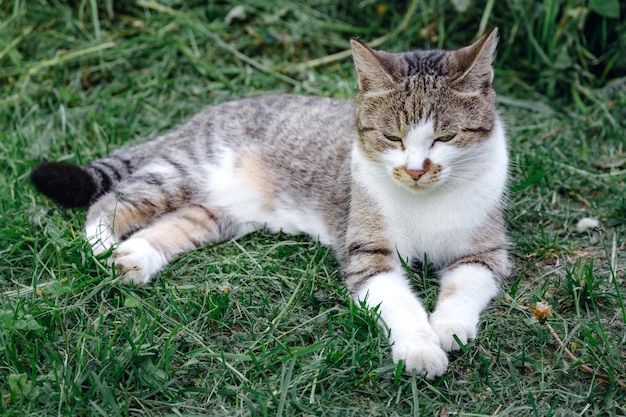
(425, 357)
(447, 326)
(138, 261)
(99, 237)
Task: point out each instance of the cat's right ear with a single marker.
(473, 63)
(374, 68)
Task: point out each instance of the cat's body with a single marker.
(419, 172)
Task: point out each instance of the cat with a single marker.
(415, 168)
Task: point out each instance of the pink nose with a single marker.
(415, 173)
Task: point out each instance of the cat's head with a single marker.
(422, 116)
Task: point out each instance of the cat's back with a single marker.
(279, 119)
(285, 125)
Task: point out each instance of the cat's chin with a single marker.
(421, 189)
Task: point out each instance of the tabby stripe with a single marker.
(476, 130)
(152, 179)
(190, 219)
(191, 155)
(488, 251)
(473, 259)
(366, 274)
(145, 205)
(146, 202)
(111, 168)
(182, 170)
(497, 248)
(424, 62)
(186, 193)
(105, 180)
(125, 162)
(357, 248)
(199, 222)
(481, 263)
(210, 215)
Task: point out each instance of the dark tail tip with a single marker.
(68, 185)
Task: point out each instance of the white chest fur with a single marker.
(439, 225)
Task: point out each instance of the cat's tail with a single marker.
(78, 186)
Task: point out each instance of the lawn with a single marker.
(262, 325)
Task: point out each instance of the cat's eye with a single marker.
(445, 138)
(393, 138)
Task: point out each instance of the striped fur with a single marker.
(417, 167)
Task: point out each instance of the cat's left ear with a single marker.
(375, 68)
(474, 72)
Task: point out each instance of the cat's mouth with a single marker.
(418, 179)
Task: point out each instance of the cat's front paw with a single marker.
(137, 261)
(447, 326)
(425, 357)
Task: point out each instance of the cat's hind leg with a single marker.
(148, 193)
(99, 230)
(113, 215)
(149, 250)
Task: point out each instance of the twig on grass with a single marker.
(586, 368)
(542, 311)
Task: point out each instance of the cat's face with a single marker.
(424, 116)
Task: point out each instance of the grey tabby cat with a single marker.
(416, 167)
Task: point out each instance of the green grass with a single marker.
(262, 326)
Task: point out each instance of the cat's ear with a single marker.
(374, 68)
(473, 71)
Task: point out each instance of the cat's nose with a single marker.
(415, 173)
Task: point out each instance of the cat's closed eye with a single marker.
(392, 138)
(445, 138)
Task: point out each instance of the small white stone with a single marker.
(587, 223)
